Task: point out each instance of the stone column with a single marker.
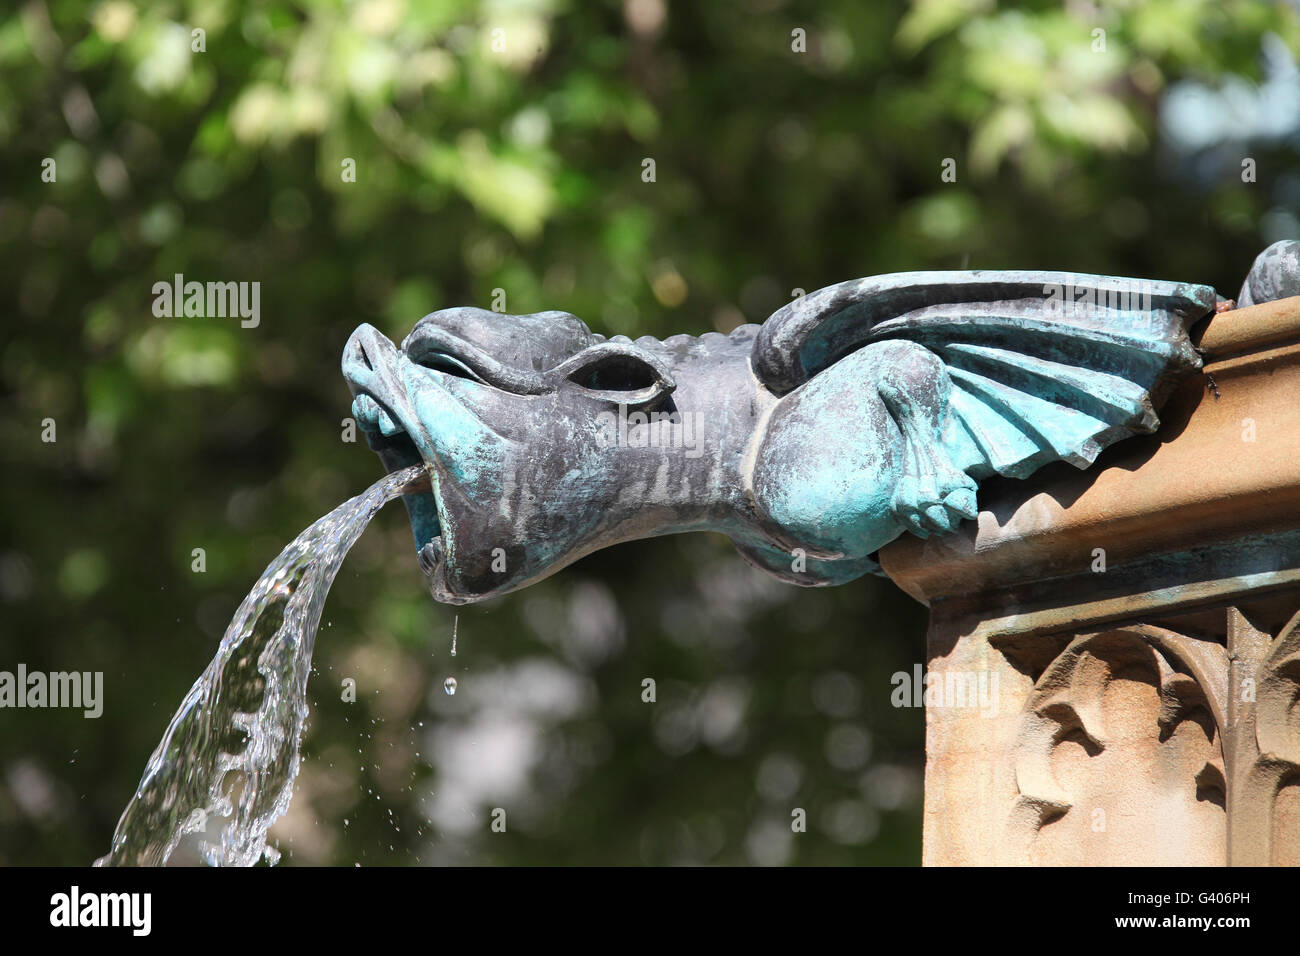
(1114, 655)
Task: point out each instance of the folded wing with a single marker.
(1045, 366)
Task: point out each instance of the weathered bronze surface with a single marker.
(853, 415)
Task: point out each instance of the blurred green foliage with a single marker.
(502, 145)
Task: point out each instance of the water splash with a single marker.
(230, 753)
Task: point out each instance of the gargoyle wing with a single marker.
(1045, 366)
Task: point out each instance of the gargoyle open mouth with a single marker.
(381, 407)
(507, 415)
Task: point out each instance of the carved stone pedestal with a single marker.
(1114, 655)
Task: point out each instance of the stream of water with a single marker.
(230, 754)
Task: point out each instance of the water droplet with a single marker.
(449, 685)
(455, 625)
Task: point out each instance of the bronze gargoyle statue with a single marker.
(852, 415)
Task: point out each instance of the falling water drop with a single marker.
(455, 625)
(449, 685)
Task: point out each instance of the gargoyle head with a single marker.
(515, 418)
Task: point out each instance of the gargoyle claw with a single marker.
(962, 501)
(939, 518)
(934, 504)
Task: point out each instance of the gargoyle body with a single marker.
(852, 415)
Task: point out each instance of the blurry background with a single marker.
(501, 145)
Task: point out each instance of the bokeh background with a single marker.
(501, 145)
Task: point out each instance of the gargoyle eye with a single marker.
(615, 373)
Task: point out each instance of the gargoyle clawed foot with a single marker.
(931, 496)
